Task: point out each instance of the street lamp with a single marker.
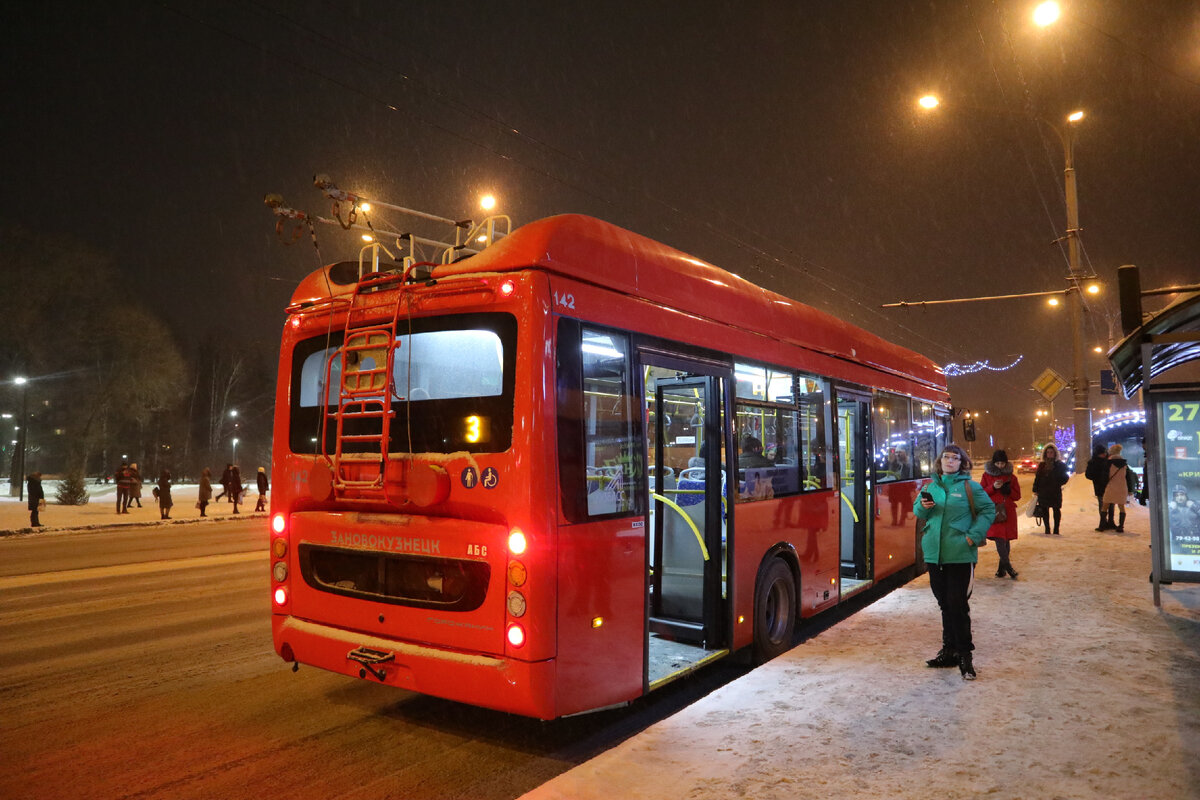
(1079, 382)
(24, 384)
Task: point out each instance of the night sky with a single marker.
(780, 140)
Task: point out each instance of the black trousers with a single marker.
(951, 585)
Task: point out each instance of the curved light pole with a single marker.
(1082, 416)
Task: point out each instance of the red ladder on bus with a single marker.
(366, 389)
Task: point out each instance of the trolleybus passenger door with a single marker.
(853, 425)
(686, 450)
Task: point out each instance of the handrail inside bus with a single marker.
(691, 524)
(849, 505)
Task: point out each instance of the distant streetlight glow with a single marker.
(1075, 116)
(1093, 288)
(1098, 349)
(1053, 301)
(365, 206)
(1046, 14)
(366, 237)
(487, 202)
(928, 101)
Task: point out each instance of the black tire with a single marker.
(774, 611)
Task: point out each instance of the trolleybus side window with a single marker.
(925, 428)
(780, 432)
(893, 438)
(812, 396)
(599, 452)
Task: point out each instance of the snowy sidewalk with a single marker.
(1085, 690)
(101, 509)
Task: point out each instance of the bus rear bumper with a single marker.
(504, 684)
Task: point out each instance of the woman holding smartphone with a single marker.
(957, 514)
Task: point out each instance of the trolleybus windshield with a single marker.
(451, 388)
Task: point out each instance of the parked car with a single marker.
(1027, 465)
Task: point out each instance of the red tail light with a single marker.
(280, 596)
(516, 635)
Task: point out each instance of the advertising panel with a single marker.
(1179, 428)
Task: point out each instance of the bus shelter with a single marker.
(1161, 357)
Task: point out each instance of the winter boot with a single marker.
(1000, 570)
(1012, 573)
(1108, 518)
(1120, 523)
(966, 667)
(944, 658)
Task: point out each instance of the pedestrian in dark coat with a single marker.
(37, 498)
(235, 486)
(205, 490)
(262, 490)
(226, 478)
(124, 480)
(1048, 481)
(1001, 485)
(164, 493)
(1097, 473)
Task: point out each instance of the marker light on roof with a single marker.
(507, 288)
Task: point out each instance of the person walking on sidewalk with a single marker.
(236, 490)
(1002, 487)
(1097, 473)
(1048, 481)
(124, 480)
(164, 493)
(135, 487)
(261, 505)
(205, 493)
(1121, 484)
(226, 478)
(957, 513)
(37, 498)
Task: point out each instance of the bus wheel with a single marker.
(774, 611)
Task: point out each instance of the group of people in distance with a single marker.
(129, 489)
(958, 516)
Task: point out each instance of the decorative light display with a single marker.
(1118, 419)
(953, 370)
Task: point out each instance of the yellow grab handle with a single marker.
(687, 519)
(849, 505)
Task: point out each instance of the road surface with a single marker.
(137, 663)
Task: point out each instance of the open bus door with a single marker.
(685, 444)
(853, 424)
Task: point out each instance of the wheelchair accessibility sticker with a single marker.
(490, 478)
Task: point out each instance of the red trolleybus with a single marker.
(553, 476)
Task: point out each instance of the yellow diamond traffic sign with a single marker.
(1049, 384)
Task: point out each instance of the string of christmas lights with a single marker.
(953, 370)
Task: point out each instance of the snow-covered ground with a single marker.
(1085, 690)
(101, 508)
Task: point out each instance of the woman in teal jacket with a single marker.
(955, 528)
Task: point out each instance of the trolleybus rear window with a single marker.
(451, 387)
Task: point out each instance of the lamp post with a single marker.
(1079, 381)
(1082, 416)
(24, 384)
